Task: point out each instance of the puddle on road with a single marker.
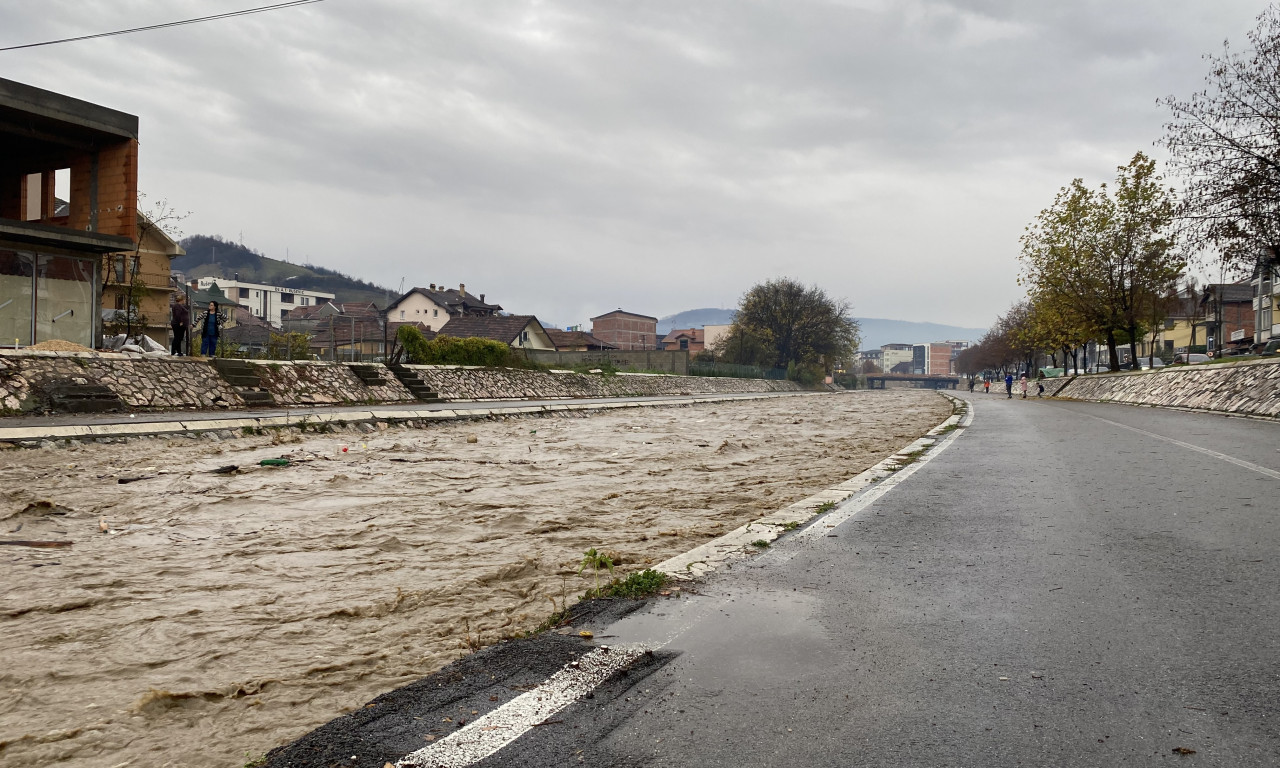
(223, 615)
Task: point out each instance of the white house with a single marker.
(268, 302)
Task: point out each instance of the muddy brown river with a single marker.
(200, 619)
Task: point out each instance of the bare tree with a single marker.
(126, 270)
(1224, 143)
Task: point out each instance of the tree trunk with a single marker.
(1133, 343)
(1111, 347)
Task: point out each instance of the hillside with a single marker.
(875, 331)
(211, 256)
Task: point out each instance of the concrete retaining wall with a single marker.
(1249, 388)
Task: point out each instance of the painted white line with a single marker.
(487, 734)
(1221, 456)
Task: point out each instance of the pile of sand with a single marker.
(58, 345)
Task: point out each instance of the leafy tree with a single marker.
(1097, 260)
(1224, 143)
(782, 323)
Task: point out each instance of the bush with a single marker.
(635, 586)
(450, 350)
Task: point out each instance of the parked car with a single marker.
(1267, 349)
(1142, 364)
(1194, 357)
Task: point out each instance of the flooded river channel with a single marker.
(201, 618)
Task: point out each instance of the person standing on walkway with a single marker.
(180, 317)
(210, 330)
(986, 386)
(972, 381)
(1040, 384)
(1022, 384)
(1008, 385)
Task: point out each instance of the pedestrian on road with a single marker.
(986, 386)
(210, 330)
(1008, 385)
(1022, 384)
(1040, 384)
(972, 381)
(179, 318)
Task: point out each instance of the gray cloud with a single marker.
(571, 157)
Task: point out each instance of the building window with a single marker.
(286, 298)
(435, 313)
(244, 293)
(684, 343)
(402, 314)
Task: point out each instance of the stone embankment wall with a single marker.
(458, 383)
(177, 383)
(317, 383)
(142, 382)
(1249, 388)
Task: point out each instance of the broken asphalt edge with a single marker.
(738, 544)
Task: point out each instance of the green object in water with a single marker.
(274, 462)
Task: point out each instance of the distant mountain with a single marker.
(214, 257)
(695, 318)
(876, 332)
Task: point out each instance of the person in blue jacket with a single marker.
(1008, 385)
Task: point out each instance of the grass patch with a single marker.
(949, 429)
(255, 762)
(637, 586)
(791, 525)
(760, 544)
(823, 508)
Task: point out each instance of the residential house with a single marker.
(53, 146)
(627, 330)
(149, 265)
(576, 341)
(250, 334)
(691, 339)
(1227, 309)
(269, 302)
(1180, 331)
(712, 334)
(519, 331)
(436, 305)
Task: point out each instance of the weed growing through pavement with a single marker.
(760, 544)
(790, 525)
(595, 561)
(825, 507)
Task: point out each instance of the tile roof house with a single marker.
(576, 341)
(436, 305)
(520, 331)
(692, 339)
(354, 338)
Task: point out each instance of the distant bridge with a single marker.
(921, 381)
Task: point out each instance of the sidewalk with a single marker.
(30, 431)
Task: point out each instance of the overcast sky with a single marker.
(569, 158)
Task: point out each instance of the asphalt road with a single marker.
(1066, 584)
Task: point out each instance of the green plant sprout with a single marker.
(595, 561)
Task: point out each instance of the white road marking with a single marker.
(1221, 456)
(487, 734)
